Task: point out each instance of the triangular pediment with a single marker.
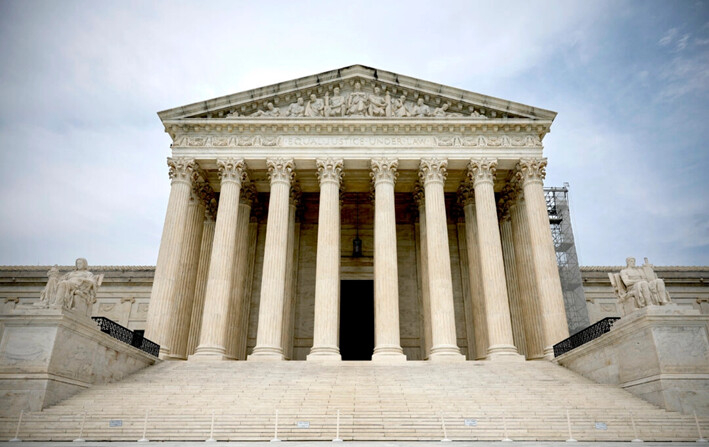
(356, 92)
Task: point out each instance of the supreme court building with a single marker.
(356, 214)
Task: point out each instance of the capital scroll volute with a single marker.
(280, 170)
(482, 171)
(232, 170)
(531, 170)
(329, 170)
(182, 169)
(384, 170)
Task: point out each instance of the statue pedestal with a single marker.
(659, 353)
(49, 354)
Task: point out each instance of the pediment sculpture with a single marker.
(637, 287)
(360, 104)
(75, 290)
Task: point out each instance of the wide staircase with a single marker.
(411, 401)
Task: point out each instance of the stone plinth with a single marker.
(659, 353)
(49, 354)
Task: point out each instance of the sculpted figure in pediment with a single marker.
(398, 107)
(478, 115)
(297, 109)
(441, 112)
(357, 102)
(270, 111)
(335, 104)
(315, 107)
(421, 109)
(379, 105)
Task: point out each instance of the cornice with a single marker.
(657, 268)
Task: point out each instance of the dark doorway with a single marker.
(356, 319)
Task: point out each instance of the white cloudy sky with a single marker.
(83, 153)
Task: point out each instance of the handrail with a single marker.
(584, 336)
(122, 333)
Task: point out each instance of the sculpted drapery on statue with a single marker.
(75, 290)
(638, 287)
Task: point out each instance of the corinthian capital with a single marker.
(531, 170)
(466, 193)
(508, 199)
(181, 169)
(384, 170)
(203, 192)
(295, 194)
(419, 194)
(329, 170)
(248, 194)
(280, 170)
(482, 171)
(232, 170)
(433, 170)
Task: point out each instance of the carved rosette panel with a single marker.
(419, 194)
(531, 170)
(248, 194)
(281, 170)
(466, 194)
(232, 170)
(384, 170)
(330, 170)
(182, 169)
(482, 171)
(433, 170)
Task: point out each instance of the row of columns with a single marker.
(210, 296)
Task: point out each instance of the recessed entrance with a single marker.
(356, 319)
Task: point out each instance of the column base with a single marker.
(266, 354)
(324, 354)
(208, 354)
(549, 353)
(446, 353)
(388, 354)
(173, 357)
(506, 353)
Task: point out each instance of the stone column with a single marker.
(419, 199)
(205, 254)
(327, 269)
(212, 339)
(178, 332)
(387, 341)
(241, 248)
(167, 269)
(508, 257)
(291, 273)
(270, 317)
(444, 344)
(533, 332)
(466, 196)
(492, 268)
(531, 173)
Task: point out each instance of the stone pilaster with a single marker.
(270, 318)
(387, 341)
(212, 340)
(533, 332)
(167, 269)
(185, 288)
(205, 255)
(466, 196)
(420, 200)
(238, 289)
(492, 268)
(327, 270)
(508, 256)
(291, 272)
(530, 173)
(444, 346)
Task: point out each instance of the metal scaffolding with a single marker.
(569, 271)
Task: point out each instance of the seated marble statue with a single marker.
(75, 290)
(638, 287)
(270, 111)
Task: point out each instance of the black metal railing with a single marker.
(584, 336)
(133, 338)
